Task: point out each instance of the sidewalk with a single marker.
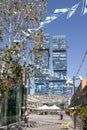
(48, 122)
(42, 122)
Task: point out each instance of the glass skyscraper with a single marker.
(56, 82)
(59, 58)
(43, 63)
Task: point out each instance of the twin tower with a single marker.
(53, 64)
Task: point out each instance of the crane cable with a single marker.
(81, 63)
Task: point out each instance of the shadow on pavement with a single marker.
(12, 127)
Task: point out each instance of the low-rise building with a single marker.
(80, 96)
(84, 92)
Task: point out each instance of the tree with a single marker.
(82, 110)
(17, 44)
(16, 17)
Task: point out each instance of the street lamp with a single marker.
(72, 82)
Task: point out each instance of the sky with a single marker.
(75, 30)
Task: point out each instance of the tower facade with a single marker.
(43, 63)
(56, 82)
(59, 58)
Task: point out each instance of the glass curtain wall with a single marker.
(43, 63)
(59, 55)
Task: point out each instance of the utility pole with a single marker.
(74, 103)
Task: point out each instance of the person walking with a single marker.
(26, 118)
(61, 114)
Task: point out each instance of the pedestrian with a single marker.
(61, 114)
(26, 117)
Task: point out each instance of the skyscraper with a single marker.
(58, 80)
(43, 63)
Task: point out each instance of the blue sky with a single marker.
(75, 29)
